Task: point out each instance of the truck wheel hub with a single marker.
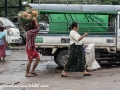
(64, 59)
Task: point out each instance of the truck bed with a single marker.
(107, 42)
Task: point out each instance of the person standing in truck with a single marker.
(76, 60)
(31, 50)
(3, 44)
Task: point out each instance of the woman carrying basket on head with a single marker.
(76, 60)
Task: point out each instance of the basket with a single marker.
(8, 52)
(26, 22)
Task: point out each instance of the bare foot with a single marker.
(3, 60)
(85, 73)
(64, 74)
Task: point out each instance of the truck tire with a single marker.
(55, 57)
(22, 41)
(62, 58)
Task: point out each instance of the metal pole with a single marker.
(20, 5)
(38, 1)
(6, 9)
(31, 1)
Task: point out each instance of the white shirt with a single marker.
(74, 36)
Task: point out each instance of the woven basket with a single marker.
(26, 22)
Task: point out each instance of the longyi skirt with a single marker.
(2, 50)
(76, 60)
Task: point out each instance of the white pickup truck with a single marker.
(11, 31)
(103, 21)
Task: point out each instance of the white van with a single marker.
(11, 31)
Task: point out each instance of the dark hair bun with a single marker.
(74, 24)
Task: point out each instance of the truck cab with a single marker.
(11, 31)
(15, 20)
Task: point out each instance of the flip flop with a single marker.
(34, 74)
(30, 75)
(88, 74)
(64, 76)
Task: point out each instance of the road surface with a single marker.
(12, 74)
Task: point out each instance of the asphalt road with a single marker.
(12, 72)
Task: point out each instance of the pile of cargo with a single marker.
(26, 18)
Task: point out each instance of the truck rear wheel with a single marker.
(62, 58)
(55, 57)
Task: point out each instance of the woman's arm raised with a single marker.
(82, 36)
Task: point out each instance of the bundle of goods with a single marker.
(26, 18)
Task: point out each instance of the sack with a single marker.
(8, 52)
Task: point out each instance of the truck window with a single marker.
(43, 21)
(7, 22)
(42, 27)
(111, 25)
(1, 23)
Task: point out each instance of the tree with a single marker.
(11, 3)
(14, 11)
(111, 2)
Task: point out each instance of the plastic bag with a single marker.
(8, 52)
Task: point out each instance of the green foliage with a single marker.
(114, 2)
(13, 2)
(14, 11)
(11, 11)
(111, 2)
(1, 3)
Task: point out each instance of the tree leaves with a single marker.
(14, 11)
(11, 11)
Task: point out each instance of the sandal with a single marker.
(29, 75)
(34, 74)
(64, 76)
(88, 74)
